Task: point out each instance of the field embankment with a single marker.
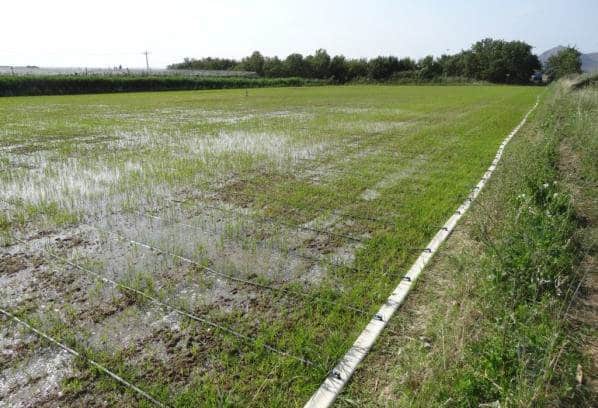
(89, 84)
(506, 315)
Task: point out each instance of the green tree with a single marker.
(429, 68)
(255, 63)
(520, 62)
(339, 69)
(357, 68)
(381, 68)
(488, 60)
(206, 63)
(566, 61)
(319, 64)
(295, 65)
(406, 64)
(500, 61)
(489, 54)
(274, 68)
(451, 65)
(470, 65)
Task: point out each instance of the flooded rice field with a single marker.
(218, 248)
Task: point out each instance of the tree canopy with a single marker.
(490, 60)
(566, 61)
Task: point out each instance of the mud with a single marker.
(109, 240)
(36, 381)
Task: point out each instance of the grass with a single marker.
(495, 320)
(385, 165)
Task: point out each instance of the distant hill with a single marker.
(549, 53)
(589, 62)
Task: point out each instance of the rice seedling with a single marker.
(309, 203)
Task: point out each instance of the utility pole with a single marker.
(146, 52)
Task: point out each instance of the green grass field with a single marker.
(325, 195)
(506, 312)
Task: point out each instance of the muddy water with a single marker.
(36, 381)
(105, 319)
(110, 320)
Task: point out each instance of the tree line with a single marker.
(489, 60)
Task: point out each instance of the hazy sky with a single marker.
(106, 33)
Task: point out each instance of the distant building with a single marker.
(536, 77)
(540, 77)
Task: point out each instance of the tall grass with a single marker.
(528, 353)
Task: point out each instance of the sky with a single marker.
(107, 33)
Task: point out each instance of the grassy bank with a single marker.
(88, 84)
(504, 316)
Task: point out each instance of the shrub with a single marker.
(79, 84)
